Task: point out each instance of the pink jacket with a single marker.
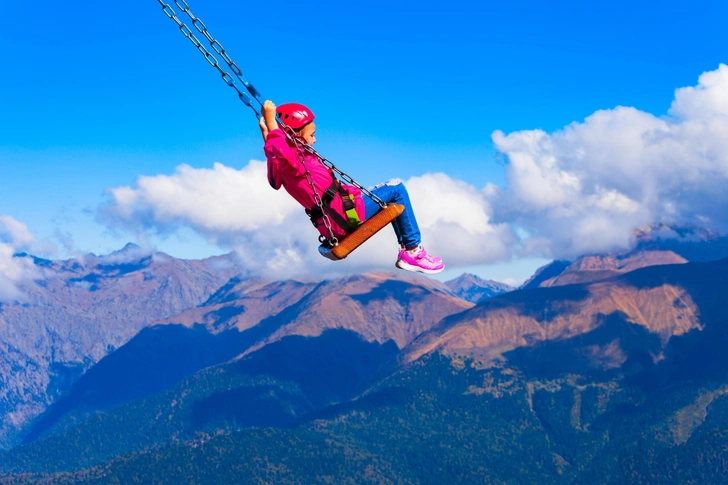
(285, 169)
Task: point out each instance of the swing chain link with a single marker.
(210, 58)
(217, 47)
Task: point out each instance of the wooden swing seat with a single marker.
(369, 228)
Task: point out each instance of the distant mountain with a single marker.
(80, 311)
(310, 344)
(474, 289)
(527, 317)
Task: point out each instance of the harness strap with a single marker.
(347, 200)
(352, 220)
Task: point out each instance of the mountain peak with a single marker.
(130, 250)
(128, 247)
(475, 289)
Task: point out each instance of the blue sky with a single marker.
(96, 95)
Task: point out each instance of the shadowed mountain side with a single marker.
(614, 345)
(698, 356)
(544, 273)
(331, 368)
(155, 359)
(273, 387)
(424, 427)
(389, 396)
(664, 307)
(698, 459)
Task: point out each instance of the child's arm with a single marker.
(263, 128)
(269, 116)
(268, 122)
(276, 146)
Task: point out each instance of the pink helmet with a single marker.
(295, 115)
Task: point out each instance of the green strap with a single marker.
(352, 215)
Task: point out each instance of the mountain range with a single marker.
(81, 310)
(608, 369)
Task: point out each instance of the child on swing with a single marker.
(345, 204)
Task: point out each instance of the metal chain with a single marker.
(246, 99)
(347, 178)
(217, 47)
(169, 12)
(316, 198)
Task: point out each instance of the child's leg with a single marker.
(405, 226)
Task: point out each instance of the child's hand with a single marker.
(269, 115)
(263, 128)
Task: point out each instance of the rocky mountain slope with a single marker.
(80, 311)
(378, 306)
(254, 328)
(529, 316)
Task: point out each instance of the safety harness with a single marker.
(316, 213)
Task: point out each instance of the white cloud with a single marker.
(455, 221)
(14, 237)
(587, 187)
(237, 209)
(15, 232)
(214, 201)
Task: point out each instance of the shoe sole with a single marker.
(416, 269)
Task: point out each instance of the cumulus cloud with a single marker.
(237, 209)
(587, 187)
(216, 201)
(455, 220)
(14, 237)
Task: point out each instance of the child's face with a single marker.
(308, 133)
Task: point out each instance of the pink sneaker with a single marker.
(436, 258)
(420, 261)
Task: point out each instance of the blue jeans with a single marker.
(405, 226)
